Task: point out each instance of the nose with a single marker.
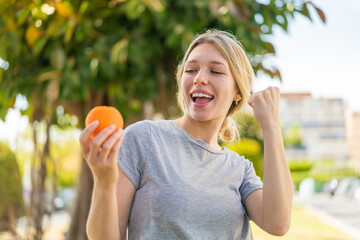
(200, 78)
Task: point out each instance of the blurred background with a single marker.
(59, 58)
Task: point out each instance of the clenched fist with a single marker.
(265, 106)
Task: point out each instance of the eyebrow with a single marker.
(212, 62)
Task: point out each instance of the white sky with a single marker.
(321, 58)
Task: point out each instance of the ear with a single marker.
(237, 97)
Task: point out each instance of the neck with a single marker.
(206, 131)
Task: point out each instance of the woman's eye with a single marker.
(216, 72)
(190, 70)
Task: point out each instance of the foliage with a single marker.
(300, 165)
(250, 149)
(326, 169)
(65, 121)
(248, 127)
(292, 137)
(120, 52)
(65, 157)
(67, 162)
(320, 170)
(300, 169)
(10, 185)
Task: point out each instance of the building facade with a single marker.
(353, 137)
(319, 124)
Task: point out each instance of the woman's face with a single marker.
(208, 85)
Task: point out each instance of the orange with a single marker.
(106, 115)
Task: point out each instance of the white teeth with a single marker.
(194, 95)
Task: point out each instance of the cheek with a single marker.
(229, 92)
(186, 80)
(185, 86)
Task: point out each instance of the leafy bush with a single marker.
(300, 165)
(11, 201)
(300, 169)
(326, 169)
(320, 170)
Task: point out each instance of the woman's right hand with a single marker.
(101, 152)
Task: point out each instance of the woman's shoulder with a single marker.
(232, 152)
(144, 126)
(235, 156)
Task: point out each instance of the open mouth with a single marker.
(201, 97)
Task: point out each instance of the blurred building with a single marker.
(353, 137)
(314, 128)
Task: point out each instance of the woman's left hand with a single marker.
(265, 106)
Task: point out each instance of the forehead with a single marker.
(206, 53)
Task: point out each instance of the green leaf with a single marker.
(84, 7)
(3, 46)
(134, 9)
(22, 16)
(94, 67)
(39, 45)
(70, 29)
(119, 51)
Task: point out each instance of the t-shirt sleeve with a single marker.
(132, 153)
(251, 181)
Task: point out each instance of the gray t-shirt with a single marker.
(185, 189)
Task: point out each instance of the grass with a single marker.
(304, 226)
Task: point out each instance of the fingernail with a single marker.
(95, 123)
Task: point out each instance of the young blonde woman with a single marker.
(171, 179)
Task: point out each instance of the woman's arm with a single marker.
(125, 194)
(270, 208)
(112, 191)
(103, 219)
(110, 209)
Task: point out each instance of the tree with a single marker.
(79, 54)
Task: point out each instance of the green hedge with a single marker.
(320, 170)
(300, 165)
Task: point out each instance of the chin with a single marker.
(201, 117)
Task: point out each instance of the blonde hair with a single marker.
(240, 67)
